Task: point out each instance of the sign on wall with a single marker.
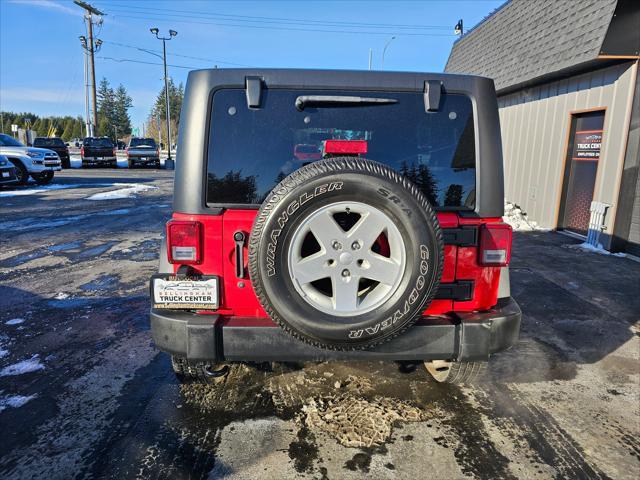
(587, 144)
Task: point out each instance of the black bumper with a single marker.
(11, 175)
(464, 337)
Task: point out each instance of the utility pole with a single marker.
(370, 57)
(159, 125)
(87, 120)
(91, 48)
(172, 33)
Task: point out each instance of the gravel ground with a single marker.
(84, 394)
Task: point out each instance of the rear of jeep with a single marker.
(336, 215)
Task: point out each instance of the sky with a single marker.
(41, 61)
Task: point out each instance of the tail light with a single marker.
(114, 152)
(158, 151)
(337, 147)
(126, 150)
(495, 245)
(82, 151)
(184, 242)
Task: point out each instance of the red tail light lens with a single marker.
(82, 151)
(348, 147)
(184, 242)
(495, 245)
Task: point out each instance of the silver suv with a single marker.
(39, 163)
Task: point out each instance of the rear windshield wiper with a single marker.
(339, 100)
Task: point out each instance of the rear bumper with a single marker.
(99, 159)
(7, 175)
(464, 337)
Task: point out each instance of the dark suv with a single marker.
(326, 215)
(57, 145)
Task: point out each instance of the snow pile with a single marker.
(26, 366)
(14, 401)
(61, 296)
(587, 247)
(514, 216)
(131, 190)
(14, 321)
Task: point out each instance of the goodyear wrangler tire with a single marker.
(345, 254)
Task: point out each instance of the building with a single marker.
(566, 74)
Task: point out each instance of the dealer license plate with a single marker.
(193, 294)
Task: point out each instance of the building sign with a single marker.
(587, 145)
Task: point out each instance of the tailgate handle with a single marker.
(239, 238)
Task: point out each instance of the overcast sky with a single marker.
(41, 59)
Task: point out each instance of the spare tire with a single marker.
(345, 253)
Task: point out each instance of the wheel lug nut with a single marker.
(355, 246)
(345, 273)
(336, 245)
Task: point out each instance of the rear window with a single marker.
(98, 142)
(142, 142)
(252, 150)
(48, 142)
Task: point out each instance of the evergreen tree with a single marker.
(67, 133)
(176, 95)
(122, 105)
(78, 128)
(106, 109)
(453, 196)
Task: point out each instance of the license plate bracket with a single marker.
(179, 292)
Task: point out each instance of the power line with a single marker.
(177, 54)
(262, 19)
(175, 20)
(123, 60)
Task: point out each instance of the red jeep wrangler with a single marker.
(387, 245)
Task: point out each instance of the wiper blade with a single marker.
(339, 100)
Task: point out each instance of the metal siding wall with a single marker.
(535, 123)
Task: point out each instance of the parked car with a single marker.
(143, 151)
(390, 247)
(39, 163)
(98, 151)
(57, 145)
(7, 171)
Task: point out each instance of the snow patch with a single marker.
(131, 190)
(3, 352)
(15, 401)
(26, 366)
(61, 296)
(587, 247)
(14, 321)
(55, 186)
(514, 216)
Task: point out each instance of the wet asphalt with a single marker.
(84, 393)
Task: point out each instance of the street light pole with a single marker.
(172, 33)
(384, 50)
